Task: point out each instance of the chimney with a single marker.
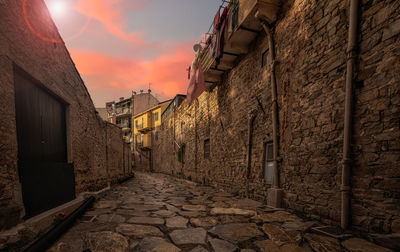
(134, 92)
(149, 91)
(121, 98)
(141, 91)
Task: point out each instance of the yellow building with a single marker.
(144, 125)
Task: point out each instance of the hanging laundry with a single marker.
(229, 24)
(196, 85)
(235, 14)
(216, 42)
(217, 19)
(221, 34)
(189, 70)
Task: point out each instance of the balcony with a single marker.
(145, 142)
(144, 128)
(123, 111)
(238, 37)
(147, 124)
(126, 130)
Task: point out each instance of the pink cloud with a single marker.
(167, 73)
(110, 14)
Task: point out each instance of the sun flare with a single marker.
(57, 8)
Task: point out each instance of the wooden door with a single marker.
(47, 179)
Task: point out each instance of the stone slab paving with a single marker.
(155, 212)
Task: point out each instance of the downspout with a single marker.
(123, 156)
(346, 162)
(252, 117)
(268, 31)
(107, 168)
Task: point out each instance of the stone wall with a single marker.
(95, 147)
(311, 42)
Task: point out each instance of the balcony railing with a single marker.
(144, 127)
(122, 111)
(145, 142)
(240, 27)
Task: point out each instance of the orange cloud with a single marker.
(167, 73)
(110, 13)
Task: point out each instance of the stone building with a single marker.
(122, 112)
(102, 113)
(289, 66)
(53, 144)
(172, 106)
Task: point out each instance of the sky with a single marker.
(120, 46)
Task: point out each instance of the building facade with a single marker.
(53, 144)
(121, 113)
(145, 134)
(263, 77)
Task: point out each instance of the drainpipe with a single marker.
(271, 50)
(252, 117)
(351, 55)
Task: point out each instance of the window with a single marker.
(136, 124)
(156, 116)
(207, 148)
(268, 162)
(142, 123)
(156, 136)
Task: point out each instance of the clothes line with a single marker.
(223, 4)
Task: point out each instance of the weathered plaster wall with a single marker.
(311, 78)
(142, 102)
(48, 61)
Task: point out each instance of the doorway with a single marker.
(47, 179)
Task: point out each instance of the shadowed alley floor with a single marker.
(155, 212)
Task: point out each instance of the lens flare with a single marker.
(57, 8)
(62, 8)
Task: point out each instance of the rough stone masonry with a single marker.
(95, 147)
(310, 38)
(155, 212)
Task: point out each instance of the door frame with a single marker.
(16, 69)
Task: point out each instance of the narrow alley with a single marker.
(212, 125)
(155, 212)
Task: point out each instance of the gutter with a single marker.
(346, 162)
(53, 234)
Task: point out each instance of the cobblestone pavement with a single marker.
(155, 212)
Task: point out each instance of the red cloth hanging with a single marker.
(217, 20)
(196, 84)
(189, 69)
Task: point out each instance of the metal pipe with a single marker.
(53, 234)
(346, 162)
(271, 50)
(250, 140)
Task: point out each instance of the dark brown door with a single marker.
(47, 179)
